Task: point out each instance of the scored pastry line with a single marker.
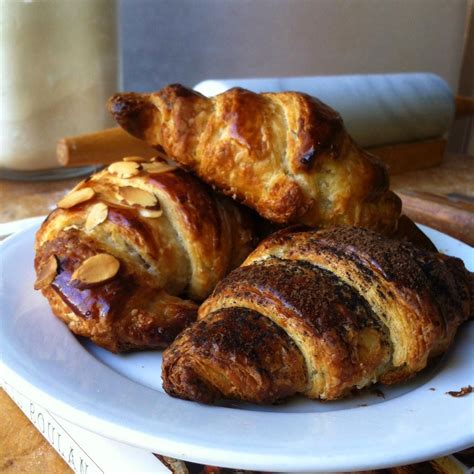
(292, 327)
(401, 356)
(284, 159)
(160, 196)
(173, 212)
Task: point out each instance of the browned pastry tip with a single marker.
(133, 112)
(409, 231)
(128, 253)
(359, 307)
(287, 155)
(235, 353)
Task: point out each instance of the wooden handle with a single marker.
(455, 218)
(404, 157)
(103, 147)
(464, 106)
(107, 146)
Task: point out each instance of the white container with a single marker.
(58, 66)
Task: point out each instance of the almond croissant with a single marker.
(286, 155)
(320, 313)
(129, 251)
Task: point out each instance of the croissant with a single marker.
(286, 155)
(127, 254)
(320, 313)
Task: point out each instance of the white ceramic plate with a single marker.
(121, 396)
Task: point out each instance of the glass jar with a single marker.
(58, 66)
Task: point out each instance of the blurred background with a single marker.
(187, 41)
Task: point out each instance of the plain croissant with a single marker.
(320, 313)
(128, 253)
(286, 155)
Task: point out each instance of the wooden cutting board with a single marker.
(441, 197)
(452, 214)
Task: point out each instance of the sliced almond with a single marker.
(96, 270)
(159, 155)
(136, 159)
(76, 197)
(71, 227)
(124, 169)
(97, 214)
(138, 197)
(47, 273)
(110, 193)
(158, 167)
(151, 213)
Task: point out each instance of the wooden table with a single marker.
(22, 448)
(441, 197)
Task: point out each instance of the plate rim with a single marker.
(172, 448)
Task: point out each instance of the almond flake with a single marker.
(47, 273)
(124, 169)
(76, 197)
(96, 270)
(71, 227)
(158, 167)
(159, 155)
(150, 213)
(135, 196)
(136, 159)
(97, 214)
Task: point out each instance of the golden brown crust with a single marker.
(174, 240)
(359, 307)
(287, 155)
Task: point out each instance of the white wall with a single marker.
(190, 40)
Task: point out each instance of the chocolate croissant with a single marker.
(287, 155)
(320, 314)
(128, 253)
